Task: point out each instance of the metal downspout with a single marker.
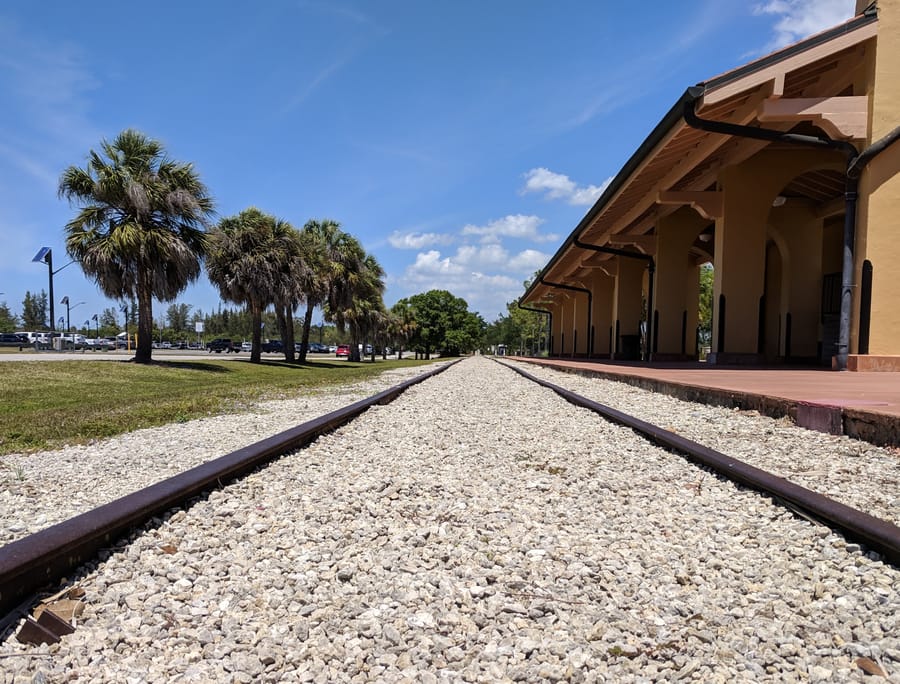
(549, 321)
(563, 286)
(651, 265)
(850, 194)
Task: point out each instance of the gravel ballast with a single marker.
(479, 528)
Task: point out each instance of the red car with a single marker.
(343, 350)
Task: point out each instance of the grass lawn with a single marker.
(45, 404)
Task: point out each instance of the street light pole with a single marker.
(45, 255)
(69, 307)
(65, 300)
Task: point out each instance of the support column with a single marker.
(581, 334)
(627, 299)
(740, 262)
(602, 286)
(677, 285)
(560, 338)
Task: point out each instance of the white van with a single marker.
(42, 339)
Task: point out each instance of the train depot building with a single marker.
(781, 175)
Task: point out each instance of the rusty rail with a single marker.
(44, 557)
(879, 535)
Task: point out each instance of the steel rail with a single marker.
(44, 557)
(879, 535)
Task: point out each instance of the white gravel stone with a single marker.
(479, 529)
(42, 489)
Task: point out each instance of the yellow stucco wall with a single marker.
(878, 216)
(799, 232)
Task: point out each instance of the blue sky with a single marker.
(459, 141)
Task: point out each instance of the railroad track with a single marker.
(462, 518)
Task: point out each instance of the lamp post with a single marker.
(97, 321)
(45, 255)
(69, 307)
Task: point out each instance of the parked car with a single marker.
(74, 341)
(272, 346)
(219, 345)
(317, 348)
(35, 337)
(13, 340)
(246, 346)
(342, 350)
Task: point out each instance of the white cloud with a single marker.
(486, 276)
(418, 240)
(798, 19)
(515, 226)
(529, 260)
(560, 186)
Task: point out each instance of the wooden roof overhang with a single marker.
(807, 84)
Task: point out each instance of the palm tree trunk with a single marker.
(354, 343)
(145, 317)
(256, 336)
(307, 324)
(286, 326)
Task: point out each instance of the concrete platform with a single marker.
(865, 406)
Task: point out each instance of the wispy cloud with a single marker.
(514, 226)
(321, 77)
(798, 19)
(48, 85)
(559, 186)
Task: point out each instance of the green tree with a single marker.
(444, 323)
(520, 330)
(140, 229)
(8, 320)
(177, 317)
(367, 314)
(109, 322)
(34, 311)
(322, 240)
(249, 260)
(403, 325)
(354, 285)
(704, 324)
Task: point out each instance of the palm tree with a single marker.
(252, 260)
(403, 324)
(364, 311)
(139, 233)
(322, 243)
(339, 265)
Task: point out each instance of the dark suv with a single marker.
(13, 340)
(219, 345)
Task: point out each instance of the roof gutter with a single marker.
(651, 265)
(590, 328)
(549, 315)
(671, 119)
(676, 115)
(851, 192)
